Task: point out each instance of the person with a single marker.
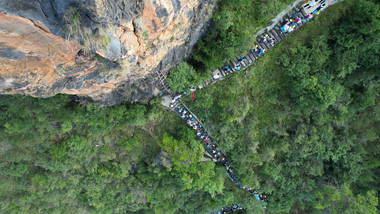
(318, 9)
(295, 22)
(310, 4)
(226, 68)
(261, 51)
(241, 59)
(271, 41)
(263, 38)
(256, 48)
(257, 197)
(237, 67)
(306, 18)
(264, 197)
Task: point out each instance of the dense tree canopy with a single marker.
(304, 127)
(305, 124)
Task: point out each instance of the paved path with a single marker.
(286, 24)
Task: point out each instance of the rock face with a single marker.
(48, 46)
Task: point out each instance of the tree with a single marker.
(182, 76)
(341, 200)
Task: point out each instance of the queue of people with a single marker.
(233, 208)
(214, 150)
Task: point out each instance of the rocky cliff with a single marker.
(103, 50)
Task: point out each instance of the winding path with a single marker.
(284, 24)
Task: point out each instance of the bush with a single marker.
(182, 76)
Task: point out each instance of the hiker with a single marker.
(318, 9)
(306, 18)
(271, 41)
(229, 170)
(311, 4)
(263, 38)
(226, 68)
(295, 22)
(241, 59)
(234, 207)
(237, 67)
(261, 51)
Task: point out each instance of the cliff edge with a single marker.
(103, 50)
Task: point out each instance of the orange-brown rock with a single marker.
(137, 38)
(29, 54)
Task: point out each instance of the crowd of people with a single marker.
(233, 208)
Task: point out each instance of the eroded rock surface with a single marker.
(137, 38)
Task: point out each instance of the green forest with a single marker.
(301, 124)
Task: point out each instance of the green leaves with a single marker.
(182, 76)
(341, 200)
